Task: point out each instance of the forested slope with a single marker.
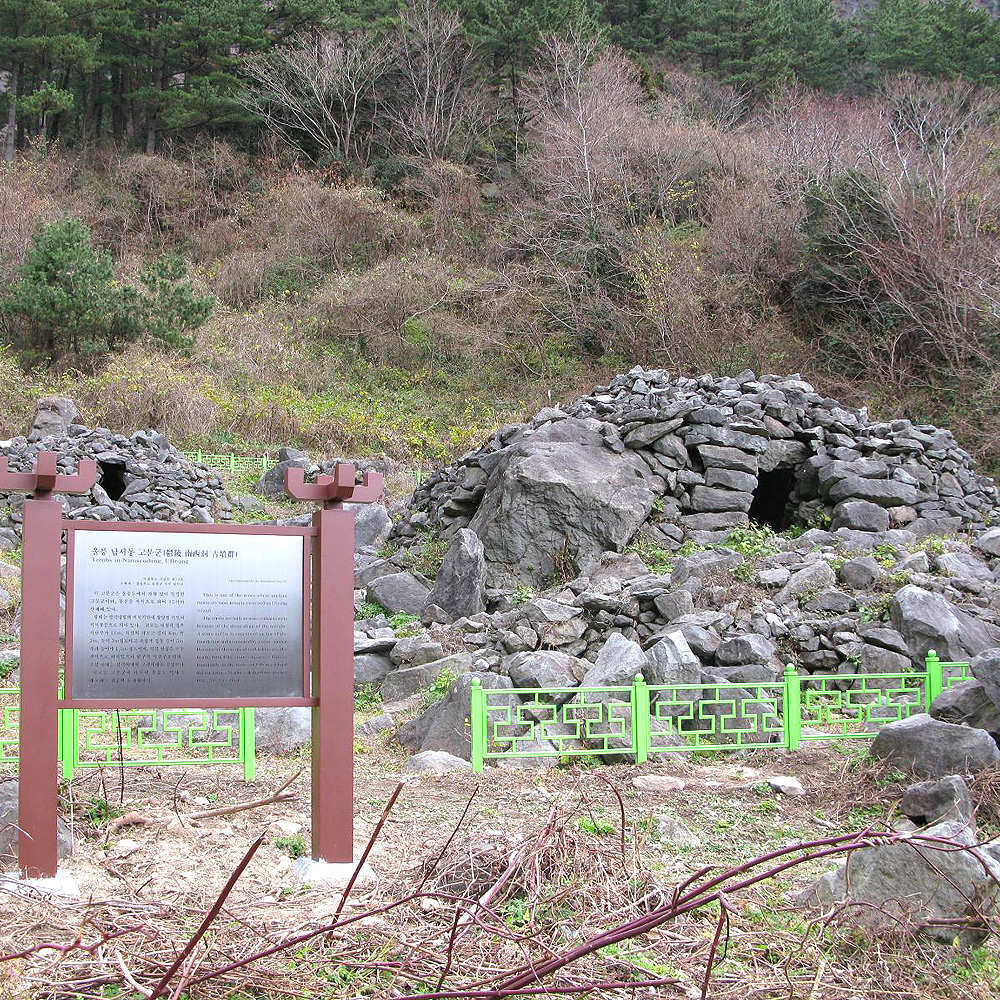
(376, 229)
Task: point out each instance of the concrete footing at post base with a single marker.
(61, 884)
(325, 873)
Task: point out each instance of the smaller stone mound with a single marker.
(139, 478)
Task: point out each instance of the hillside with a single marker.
(242, 265)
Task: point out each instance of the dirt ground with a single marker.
(544, 850)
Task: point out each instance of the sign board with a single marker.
(186, 615)
(160, 615)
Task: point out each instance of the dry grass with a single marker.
(545, 853)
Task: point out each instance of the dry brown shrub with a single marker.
(302, 229)
(338, 228)
(403, 310)
(177, 195)
(450, 193)
(30, 188)
(139, 389)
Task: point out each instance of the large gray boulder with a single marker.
(967, 703)
(741, 649)
(9, 830)
(398, 593)
(53, 417)
(272, 483)
(445, 724)
(928, 621)
(988, 543)
(963, 566)
(460, 587)
(617, 663)
(811, 579)
(404, 681)
(985, 668)
(283, 730)
(558, 499)
(929, 802)
(860, 515)
(941, 890)
(546, 668)
(926, 746)
(671, 660)
(372, 524)
(370, 668)
(883, 492)
(434, 762)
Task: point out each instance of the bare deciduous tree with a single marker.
(441, 106)
(323, 88)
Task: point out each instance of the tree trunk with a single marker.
(118, 106)
(12, 85)
(158, 78)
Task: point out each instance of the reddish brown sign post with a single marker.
(327, 683)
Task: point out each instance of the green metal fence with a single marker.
(140, 737)
(232, 463)
(641, 720)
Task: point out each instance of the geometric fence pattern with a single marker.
(140, 737)
(641, 720)
(232, 463)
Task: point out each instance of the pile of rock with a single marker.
(140, 478)
(695, 458)
(656, 463)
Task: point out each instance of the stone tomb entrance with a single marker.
(773, 504)
(111, 478)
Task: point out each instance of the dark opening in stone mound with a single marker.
(111, 476)
(771, 499)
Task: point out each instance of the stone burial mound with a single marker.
(681, 458)
(139, 478)
(700, 531)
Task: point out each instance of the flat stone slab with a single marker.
(327, 873)
(61, 884)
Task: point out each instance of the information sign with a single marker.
(186, 615)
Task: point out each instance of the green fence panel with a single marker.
(231, 462)
(553, 722)
(148, 737)
(850, 706)
(645, 719)
(727, 716)
(159, 737)
(9, 725)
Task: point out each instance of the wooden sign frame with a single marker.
(328, 576)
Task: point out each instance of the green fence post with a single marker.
(200, 457)
(263, 464)
(641, 738)
(793, 708)
(934, 683)
(477, 723)
(248, 743)
(68, 736)
(232, 462)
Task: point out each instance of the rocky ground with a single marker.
(149, 872)
(697, 532)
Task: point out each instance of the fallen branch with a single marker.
(243, 806)
(279, 796)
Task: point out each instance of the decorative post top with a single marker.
(332, 491)
(45, 479)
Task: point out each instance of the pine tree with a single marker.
(508, 32)
(39, 44)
